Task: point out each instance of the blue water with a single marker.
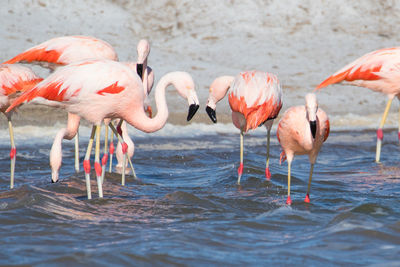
(188, 210)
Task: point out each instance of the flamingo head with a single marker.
(143, 50)
(311, 111)
(210, 109)
(218, 90)
(184, 84)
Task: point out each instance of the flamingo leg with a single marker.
(379, 132)
(289, 201)
(267, 172)
(77, 152)
(240, 169)
(307, 199)
(105, 156)
(86, 163)
(111, 150)
(124, 150)
(13, 153)
(97, 165)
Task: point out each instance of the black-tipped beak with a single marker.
(192, 110)
(139, 70)
(211, 113)
(313, 127)
(53, 181)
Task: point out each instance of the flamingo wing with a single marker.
(66, 49)
(257, 95)
(370, 67)
(81, 80)
(16, 78)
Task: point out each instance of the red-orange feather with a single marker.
(40, 54)
(21, 86)
(254, 115)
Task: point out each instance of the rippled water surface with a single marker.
(187, 208)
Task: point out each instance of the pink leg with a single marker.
(86, 163)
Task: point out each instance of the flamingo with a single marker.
(64, 50)
(255, 99)
(302, 130)
(14, 79)
(379, 71)
(100, 89)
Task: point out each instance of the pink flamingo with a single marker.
(378, 71)
(302, 130)
(14, 80)
(99, 89)
(255, 99)
(64, 50)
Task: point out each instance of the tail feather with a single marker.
(36, 54)
(332, 79)
(25, 97)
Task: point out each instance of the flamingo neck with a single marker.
(138, 118)
(218, 90)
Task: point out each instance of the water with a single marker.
(188, 210)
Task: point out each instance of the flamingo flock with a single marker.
(89, 82)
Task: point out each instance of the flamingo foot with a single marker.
(240, 172)
(288, 201)
(379, 134)
(97, 168)
(267, 174)
(13, 153)
(307, 199)
(86, 166)
(112, 148)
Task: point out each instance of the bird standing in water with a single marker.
(100, 89)
(379, 71)
(65, 50)
(14, 80)
(255, 99)
(302, 130)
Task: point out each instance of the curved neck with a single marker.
(218, 89)
(138, 117)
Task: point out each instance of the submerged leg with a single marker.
(97, 165)
(124, 151)
(307, 199)
(379, 132)
(112, 148)
(240, 169)
(13, 153)
(86, 163)
(104, 159)
(267, 172)
(77, 152)
(289, 201)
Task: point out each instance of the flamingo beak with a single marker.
(149, 112)
(192, 110)
(139, 70)
(313, 127)
(211, 113)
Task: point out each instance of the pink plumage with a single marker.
(14, 80)
(65, 50)
(379, 71)
(255, 98)
(298, 136)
